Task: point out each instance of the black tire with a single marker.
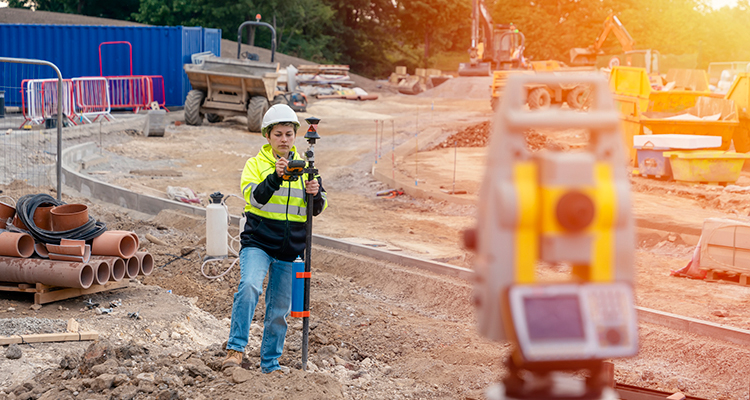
(213, 118)
(193, 102)
(279, 99)
(539, 98)
(255, 111)
(578, 98)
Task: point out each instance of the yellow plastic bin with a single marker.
(630, 89)
(706, 166)
(740, 94)
(659, 123)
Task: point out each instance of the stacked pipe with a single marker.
(70, 249)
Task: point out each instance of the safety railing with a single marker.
(42, 95)
(29, 161)
(91, 98)
(133, 92)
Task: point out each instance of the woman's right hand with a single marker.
(281, 164)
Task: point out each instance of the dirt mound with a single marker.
(478, 136)
(463, 87)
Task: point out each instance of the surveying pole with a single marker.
(311, 135)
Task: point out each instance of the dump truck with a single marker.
(224, 87)
(493, 47)
(543, 96)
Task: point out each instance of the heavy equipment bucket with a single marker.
(474, 69)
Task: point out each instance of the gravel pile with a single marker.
(28, 326)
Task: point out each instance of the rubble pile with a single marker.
(478, 136)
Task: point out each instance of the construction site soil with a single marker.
(378, 330)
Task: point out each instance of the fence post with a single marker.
(59, 111)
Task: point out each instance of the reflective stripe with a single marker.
(253, 185)
(282, 209)
(283, 193)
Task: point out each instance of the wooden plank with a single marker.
(49, 337)
(67, 293)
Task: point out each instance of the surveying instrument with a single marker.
(556, 207)
(301, 276)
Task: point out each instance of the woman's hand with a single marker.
(312, 187)
(281, 164)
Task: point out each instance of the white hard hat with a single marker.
(277, 114)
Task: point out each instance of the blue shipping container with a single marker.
(75, 49)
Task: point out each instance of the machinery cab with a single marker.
(508, 46)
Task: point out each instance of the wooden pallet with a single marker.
(713, 275)
(44, 294)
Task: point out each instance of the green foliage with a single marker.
(440, 25)
(121, 9)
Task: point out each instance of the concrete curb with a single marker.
(152, 205)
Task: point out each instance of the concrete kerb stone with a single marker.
(110, 193)
(152, 205)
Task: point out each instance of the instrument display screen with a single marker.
(554, 317)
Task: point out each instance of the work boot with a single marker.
(234, 359)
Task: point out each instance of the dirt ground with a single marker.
(379, 331)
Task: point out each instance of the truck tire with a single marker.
(539, 98)
(255, 111)
(193, 102)
(578, 97)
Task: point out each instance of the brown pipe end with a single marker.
(117, 269)
(102, 272)
(118, 244)
(133, 267)
(14, 244)
(86, 278)
(147, 262)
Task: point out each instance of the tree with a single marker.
(437, 24)
(121, 10)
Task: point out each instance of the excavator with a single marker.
(493, 47)
(587, 56)
(648, 59)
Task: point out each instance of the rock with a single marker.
(146, 386)
(107, 367)
(103, 382)
(163, 336)
(338, 360)
(199, 370)
(97, 353)
(126, 392)
(719, 313)
(146, 376)
(327, 351)
(36, 307)
(120, 379)
(240, 375)
(167, 395)
(346, 354)
(176, 336)
(13, 352)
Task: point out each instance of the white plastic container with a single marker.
(217, 228)
(677, 141)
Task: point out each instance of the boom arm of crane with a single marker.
(481, 21)
(613, 24)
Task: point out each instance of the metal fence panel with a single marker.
(157, 50)
(28, 157)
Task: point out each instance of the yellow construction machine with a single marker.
(493, 46)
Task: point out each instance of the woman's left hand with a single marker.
(312, 187)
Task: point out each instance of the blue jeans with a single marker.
(254, 264)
